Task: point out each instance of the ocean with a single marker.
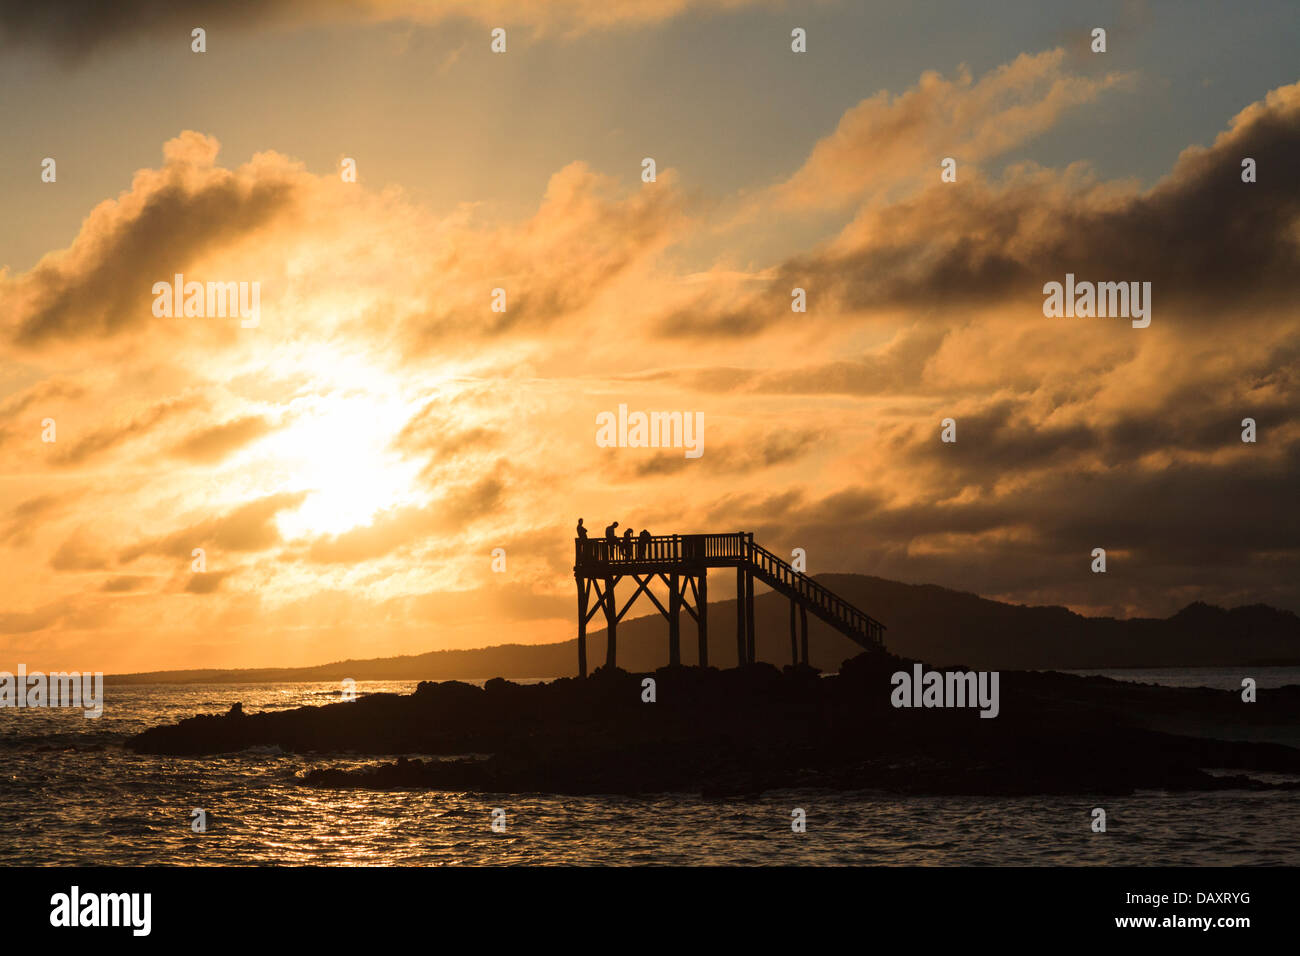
(70, 793)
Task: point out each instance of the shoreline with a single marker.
(748, 730)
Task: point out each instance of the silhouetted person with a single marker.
(611, 541)
(582, 538)
(627, 543)
(643, 543)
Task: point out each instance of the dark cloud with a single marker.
(76, 28)
(247, 528)
(104, 439)
(894, 370)
(50, 390)
(27, 622)
(212, 444)
(1202, 237)
(435, 433)
(78, 553)
(207, 582)
(125, 583)
(27, 515)
(1012, 435)
(745, 457)
(1225, 531)
(102, 285)
(706, 318)
(40, 398)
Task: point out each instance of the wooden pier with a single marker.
(682, 562)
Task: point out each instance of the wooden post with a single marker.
(740, 617)
(702, 611)
(611, 625)
(674, 621)
(582, 627)
(794, 647)
(803, 626)
(749, 616)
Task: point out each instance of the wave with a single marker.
(42, 743)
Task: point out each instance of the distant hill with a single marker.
(924, 621)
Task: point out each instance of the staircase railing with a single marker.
(777, 573)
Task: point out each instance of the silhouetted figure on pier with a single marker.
(642, 543)
(611, 541)
(627, 543)
(582, 537)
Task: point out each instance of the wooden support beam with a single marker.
(611, 626)
(702, 619)
(674, 622)
(643, 585)
(583, 591)
(740, 618)
(794, 646)
(749, 616)
(803, 626)
(668, 583)
(593, 586)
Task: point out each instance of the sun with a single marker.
(339, 450)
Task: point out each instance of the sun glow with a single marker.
(339, 450)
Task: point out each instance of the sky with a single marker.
(348, 465)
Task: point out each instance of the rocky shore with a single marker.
(742, 731)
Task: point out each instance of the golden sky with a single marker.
(349, 464)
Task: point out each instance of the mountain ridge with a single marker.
(928, 622)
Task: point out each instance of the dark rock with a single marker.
(744, 730)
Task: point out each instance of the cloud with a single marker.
(76, 28)
(101, 285)
(416, 430)
(397, 529)
(27, 622)
(588, 233)
(885, 141)
(113, 436)
(208, 582)
(79, 553)
(125, 583)
(435, 433)
(744, 457)
(897, 367)
(1201, 236)
(26, 516)
(214, 443)
(250, 527)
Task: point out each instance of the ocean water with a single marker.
(1216, 677)
(71, 794)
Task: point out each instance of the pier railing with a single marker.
(665, 548)
(660, 553)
